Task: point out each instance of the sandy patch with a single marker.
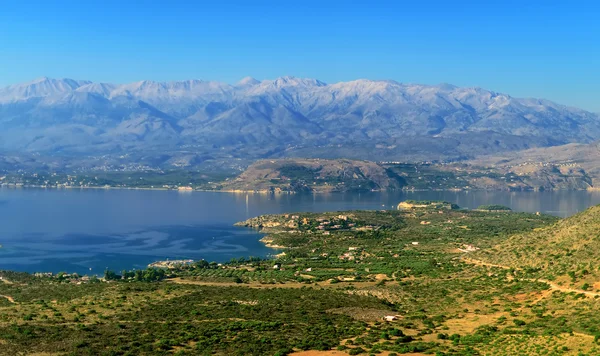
(8, 297)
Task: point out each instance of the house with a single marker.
(390, 317)
(347, 256)
(468, 248)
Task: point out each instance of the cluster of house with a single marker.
(545, 164)
(324, 225)
(64, 277)
(171, 264)
(351, 254)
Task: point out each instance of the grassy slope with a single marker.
(568, 250)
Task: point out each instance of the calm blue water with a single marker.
(87, 231)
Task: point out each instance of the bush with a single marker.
(494, 207)
(519, 322)
(356, 351)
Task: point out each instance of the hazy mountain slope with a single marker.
(294, 175)
(83, 121)
(571, 156)
(288, 116)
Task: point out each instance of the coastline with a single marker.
(267, 241)
(286, 192)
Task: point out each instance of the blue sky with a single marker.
(548, 49)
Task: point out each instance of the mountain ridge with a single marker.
(287, 116)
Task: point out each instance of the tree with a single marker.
(202, 264)
(111, 275)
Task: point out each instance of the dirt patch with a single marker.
(8, 297)
(541, 296)
(2, 279)
(470, 322)
(339, 353)
(533, 298)
(324, 284)
(320, 353)
(233, 284)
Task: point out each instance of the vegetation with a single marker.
(493, 207)
(433, 281)
(566, 252)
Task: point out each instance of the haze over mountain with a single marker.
(288, 116)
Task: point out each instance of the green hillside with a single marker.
(568, 251)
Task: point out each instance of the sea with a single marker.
(87, 231)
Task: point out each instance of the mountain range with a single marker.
(186, 122)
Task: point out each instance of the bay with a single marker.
(89, 230)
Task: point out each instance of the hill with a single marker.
(567, 252)
(571, 157)
(475, 175)
(320, 175)
(313, 175)
(195, 120)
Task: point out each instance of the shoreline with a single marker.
(267, 192)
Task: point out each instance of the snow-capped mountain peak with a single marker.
(284, 112)
(247, 81)
(40, 87)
